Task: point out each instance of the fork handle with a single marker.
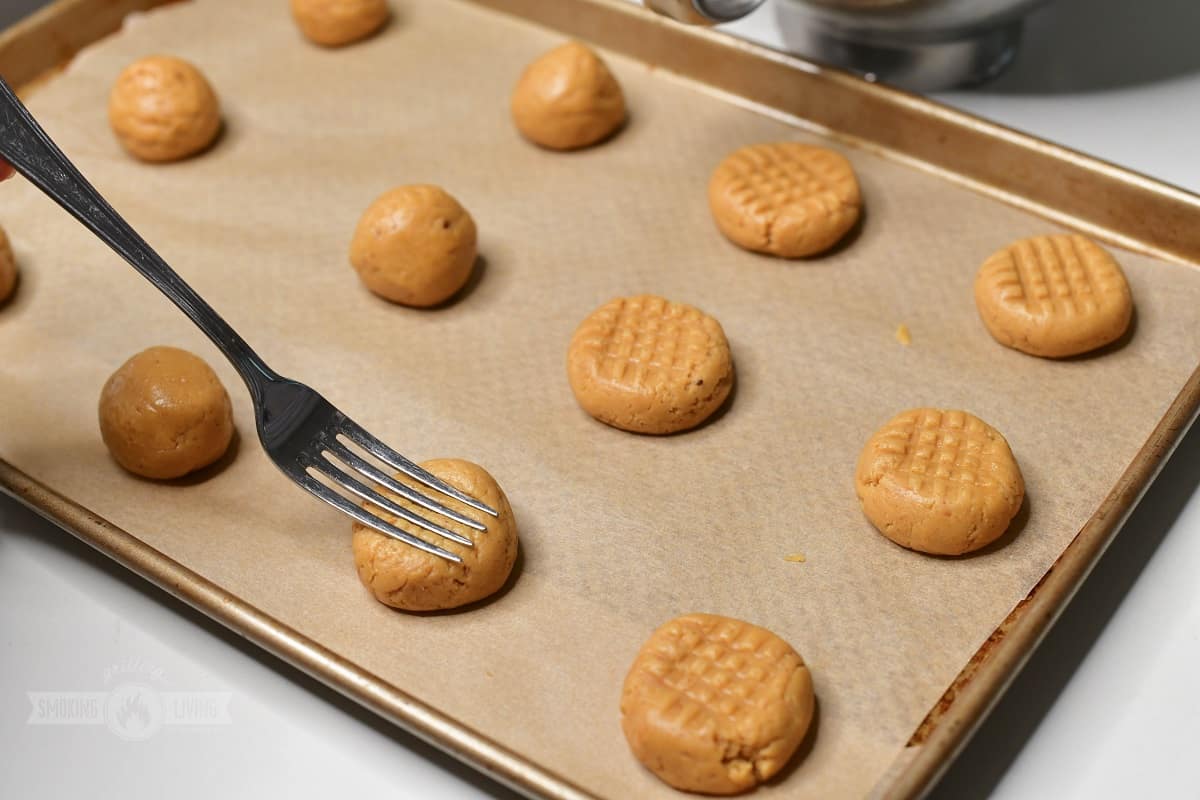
(32, 153)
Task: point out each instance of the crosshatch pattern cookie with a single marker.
(787, 199)
(648, 365)
(942, 482)
(715, 705)
(1053, 296)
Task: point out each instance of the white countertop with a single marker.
(1108, 707)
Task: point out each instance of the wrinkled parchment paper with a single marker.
(619, 532)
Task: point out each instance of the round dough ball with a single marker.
(414, 245)
(648, 365)
(941, 482)
(404, 577)
(162, 109)
(1054, 296)
(568, 99)
(8, 268)
(715, 705)
(164, 414)
(337, 22)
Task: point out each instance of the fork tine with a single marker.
(355, 433)
(347, 457)
(366, 493)
(323, 492)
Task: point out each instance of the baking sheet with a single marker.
(619, 532)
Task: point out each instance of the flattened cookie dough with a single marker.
(942, 482)
(568, 99)
(8, 268)
(404, 577)
(333, 23)
(164, 414)
(414, 245)
(715, 705)
(1053, 296)
(786, 199)
(162, 109)
(647, 365)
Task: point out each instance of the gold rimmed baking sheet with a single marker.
(620, 532)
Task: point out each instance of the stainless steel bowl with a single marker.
(704, 12)
(924, 45)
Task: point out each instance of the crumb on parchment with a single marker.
(797, 558)
(903, 336)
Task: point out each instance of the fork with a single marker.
(300, 430)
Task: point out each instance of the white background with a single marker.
(1107, 708)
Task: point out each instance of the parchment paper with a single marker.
(619, 532)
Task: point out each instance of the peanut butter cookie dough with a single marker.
(333, 23)
(164, 414)
(414, 245)
(942, 482)
(715, 705)
(647, 365)
(1053, 296)
(162, 109)
(8, 269)
(786, 199)
(568, 99)
(404, 577)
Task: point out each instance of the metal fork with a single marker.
(300, 430)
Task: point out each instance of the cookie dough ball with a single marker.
(337, 22)
(786, 199)
(715, 705)
(1053, 296)
(164, 414)
(8, 268)
(647, 365)
(568, 99)
(941, 482)
(162, 109)
(402, 576)
(414, 245)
